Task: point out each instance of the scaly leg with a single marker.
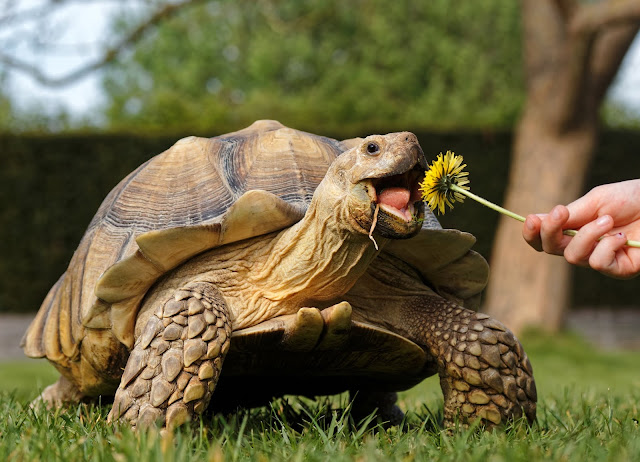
(484, 372)
(175, 364)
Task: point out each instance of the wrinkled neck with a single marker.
(320, 257)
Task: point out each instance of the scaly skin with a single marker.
(484, 372)
(175, 364)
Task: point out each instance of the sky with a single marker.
(626, 89)
(85, 96)
(83, 28)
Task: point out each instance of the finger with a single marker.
(620, 200)
(582, 211)
(609, 258)
(531, 232)
(553, 241)
(579, 250)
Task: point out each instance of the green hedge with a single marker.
(52, 185)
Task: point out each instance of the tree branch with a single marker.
(610, 49)
(109, 54)
(566, 8)
(543, 30)
(9, 16)
(23, 15)
(571, 82)
(576, 84)
(596, 16)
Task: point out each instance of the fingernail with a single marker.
(603, 220)
(529, 224)
(555, 214)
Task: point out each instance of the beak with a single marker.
(422, 159)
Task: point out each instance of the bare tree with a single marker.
(35, 26)
(572, 52)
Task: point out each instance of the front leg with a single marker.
(62, 392)
(484, 372)
(175, 363)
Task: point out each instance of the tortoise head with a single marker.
(381, 171)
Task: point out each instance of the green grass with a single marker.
(24, 379)
(588, 410)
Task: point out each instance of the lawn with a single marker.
(588, 410)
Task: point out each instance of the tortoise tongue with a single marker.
(395, 200)
(395, 197)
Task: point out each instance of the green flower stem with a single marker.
(491, 205)
(509, 213)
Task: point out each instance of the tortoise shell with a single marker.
(203, 193)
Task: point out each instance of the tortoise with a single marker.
(307, 265)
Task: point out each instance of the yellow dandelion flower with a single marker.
(445, 172)
(446, 183)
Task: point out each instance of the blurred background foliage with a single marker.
(317, 65)
(322, 65)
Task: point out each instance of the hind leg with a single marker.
(364, 402)
(175, 364)
(61, 392)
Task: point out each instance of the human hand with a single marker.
(612, 211)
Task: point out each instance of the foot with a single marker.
(364, 403)
(61, 392)
(484, 372)
(312, 329)
(175, 364)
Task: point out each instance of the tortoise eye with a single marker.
(373, 149)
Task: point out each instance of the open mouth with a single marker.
(397, 195)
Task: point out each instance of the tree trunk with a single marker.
(571, 52)
(528, 288)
